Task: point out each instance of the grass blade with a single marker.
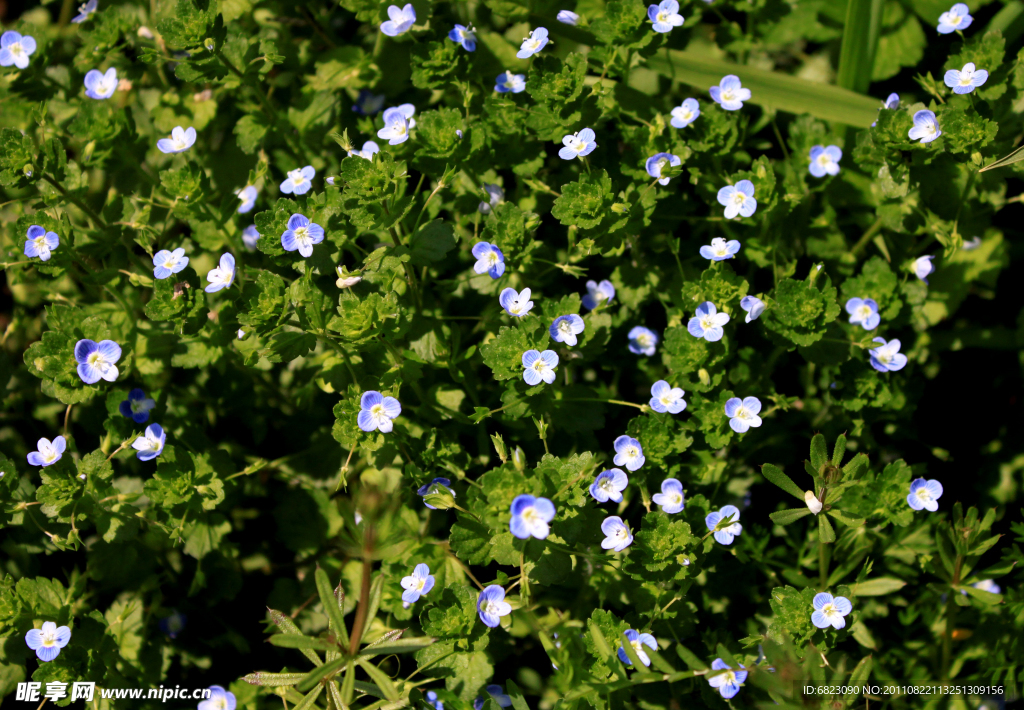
(860, 40)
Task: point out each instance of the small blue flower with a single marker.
(219, 699)
(743, 413)
(564, 329)
(730, 94)
(222, 275)
(830, 611)
(825, 161)
(665, 16)
(48, 641)
(489, 260)
(628, 453)
(438, 485)
(578, 144)
(491, 605)
(99, 85)
(250, 236)
(151, 444)
(84, 12)
(887, 356)
(464, 36)
(987, 585)
(608, 485)
(368, 103)
(567, 17)
(754, 307)
(401, 20)
(659, 161)
(180, 140)
(515, 304)
(863, 312)
(738, 199)
(301, 235)
(137, 406)
(174, 624)
(892, 102)
(494, 197)
(530, 517)
(666, 398)
(539, 366)
(642, 341)
(725, 533)
(16, 49)
(96, 360)
(48, 453)
(370, 148)
(298, 181)
(923, 266)
(166, 262)
(497, 693)
(707, 323)
(685, 114)
(671, 497)
(433, 700)
(636, 639)
(376, 412)
(247, 195)
(924, 495)
(728, 683)
(534, 43)
(926, 127)
(720, 250)
(40, 243)
(957, 18)
(509, 82)
(617, 534)
(598, 294)
(418, 584)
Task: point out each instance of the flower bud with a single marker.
(813, 504)
(209, 44)
(704, 376)
(441, 498)
(499, 446)
(519, 459)
(145, 32)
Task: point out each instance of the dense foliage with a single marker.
(264, 379)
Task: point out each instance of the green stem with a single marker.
(866, 237)
(641, 407)
(822, 566)
(96, 219)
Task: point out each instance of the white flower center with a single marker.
(377, 411)
(539, 366)
(491, 607)
(636, 644)
(491, 258)
(954, 18)
(824, 159)
(531, 516)
(40, 243)
(137, 406)
(730, 678)
(743, 413)
(49, 638)
(84, 9)
(863, 313)
(675, 498)
(738, 198)
(686, 114)
(660, 165)
(531, 43)
(644, 340)
(662, 17)
(728, 95)
(930, 128)
(16, 49)
(221, 703)
(707, 322)
(564, 328)
(924, 495)
(721, 250)
(632, 452)
(302, 234)
(606, 484)
(297, 178)
(49, 453)
(621, 534)
(883, 356)
(420, 582)
(97, 360)
(104, 86)
(966, 77)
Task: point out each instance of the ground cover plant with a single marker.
(513, 353)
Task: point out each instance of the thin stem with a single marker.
(66, 415)
(364, 597)
(440, 186)
(641, 407)
(822, 566)
(96, 219)
(866, 237)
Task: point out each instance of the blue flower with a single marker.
(685, 114)
(96, 360)
(724, 533)
(707, 323)
(298, 181)
(491, 605)
(398, 121)
(464, 36)
(401, 20)
(174, 624)
(567, 17)
(564, 329)
(247, 195)
(743, 413)
(497, 693)
(301, 235)
(966, 80)
(924, 495)
(578, 144)
(150, 444)
(221, 276)
(657, 162)
(636, 639)
(608, 485)
(671, 497)
(539, 366)
(534, 43)
(494, 196)
(665, 15)
(754, 307)
(40, 242)
(628, 453)
(219, 699)
(719, 249)
(530, 517)
(376, 412)
(433, 701)
(892, 102)
(489, 260)
(48, 641)
(987, 585)
(887, 356)
(418, 584)
(84, 11)
(598, 294)
(250, 236)
(825, 161)
(617, 534)
(515, 304)
(137, 406)
(509, 82)
(180, 140)
(957, 18)
(642, 341)
(370, 148)
(728, 683)
(923, 266)
(438, 485)
(666, 398)
(863, 311)
(166, 262)
(738, 199)
(730, 94)
(368, 103)
(99, 85)
(926, 127)
(830, 611)
(16, 49)
(47, 453)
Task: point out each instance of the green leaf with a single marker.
(775, 474)
(825, 532)
(405, 645)
(789, 516)
(190, 23)
(860, 40)
(305, 643)
(380, 679)
(586, 202)
(877, 587)
(274, 679)
(432, 242)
